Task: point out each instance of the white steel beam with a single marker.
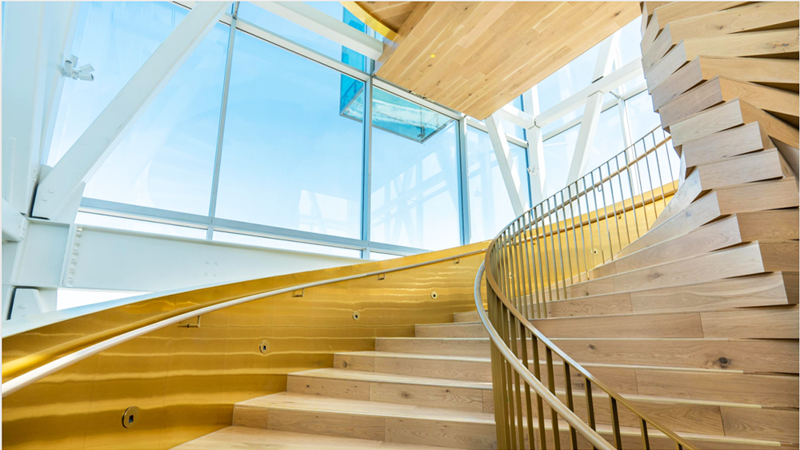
(23, 96)
(507, 167)
(516, 116)
(317, 21)
(14, 223)
(93, 147)
(617, 78)
(537, 170)
(591, 117)
(594, 106)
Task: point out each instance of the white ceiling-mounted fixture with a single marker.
(81, 73)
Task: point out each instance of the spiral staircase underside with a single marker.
(696, 322)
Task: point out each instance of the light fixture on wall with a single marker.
(81, 73)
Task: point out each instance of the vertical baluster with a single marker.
(614, 205)
(539, 403)
(520, 425)
(509, 394)
(542, 250)
(523, 292)
(633, 196)
(575, 234)
(650, 181)
(551, 383)
(566, 241)
(660, 179)
(560, 247)
(622, 199)
(589, 222)
(590, 404)
(533, 285)
(513, 276)
(645, 437)
(523, 332)
(583, 236)
(615, 423)
(553, 248)
(605, 213)
(498, 375)
(506, 266)
(597, 219)
(573, 437)
(636, 161)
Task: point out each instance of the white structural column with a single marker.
(23, 95)
(537, 170)
(317, 21)
(64, 183)
(594, 106)
(507, 167)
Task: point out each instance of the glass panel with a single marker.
(166, 160)
(489, 206)
(558, 152)
(293, 32)
(289, 158)
(414, 197)
(259, 241)
(567, 80)
(630, 37)
(375, 256)
(556, 124)
(121, 223)
(608, 140)
(641, 115)
(71, 298)
(116, 38)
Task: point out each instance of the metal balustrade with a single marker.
(535, 260)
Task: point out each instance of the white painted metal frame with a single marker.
(506, 164)
(326, 26)
(66, 180)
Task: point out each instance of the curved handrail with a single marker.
(519, 265)
(591, 435)
(14, 385)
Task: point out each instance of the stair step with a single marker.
(391, 388)
(737, 229)
(682, 415)
(360, 419)
(413, 424)
(237, 437)
(746, 355)
(777, 322)
(768, 289)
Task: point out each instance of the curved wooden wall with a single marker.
(185, 380)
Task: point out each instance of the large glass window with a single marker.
(489, 206)
(116, 38)
(305, 37)
(290, 159)
(558, 152)
(414, 196)
(166, 160)
(608, 140)
(641, 115)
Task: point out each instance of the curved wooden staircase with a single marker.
(695, 323)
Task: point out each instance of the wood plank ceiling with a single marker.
(475, 57)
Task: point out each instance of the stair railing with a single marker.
(536, 260)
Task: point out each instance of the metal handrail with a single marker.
(30, 377)
(522, 265)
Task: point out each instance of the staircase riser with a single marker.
(756, 323)
(453, 434)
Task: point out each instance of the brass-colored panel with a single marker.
(185, 380)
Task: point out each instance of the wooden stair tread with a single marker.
(288, 400)
(357, 375)
(237, 437)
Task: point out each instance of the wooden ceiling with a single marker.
(475, 57)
